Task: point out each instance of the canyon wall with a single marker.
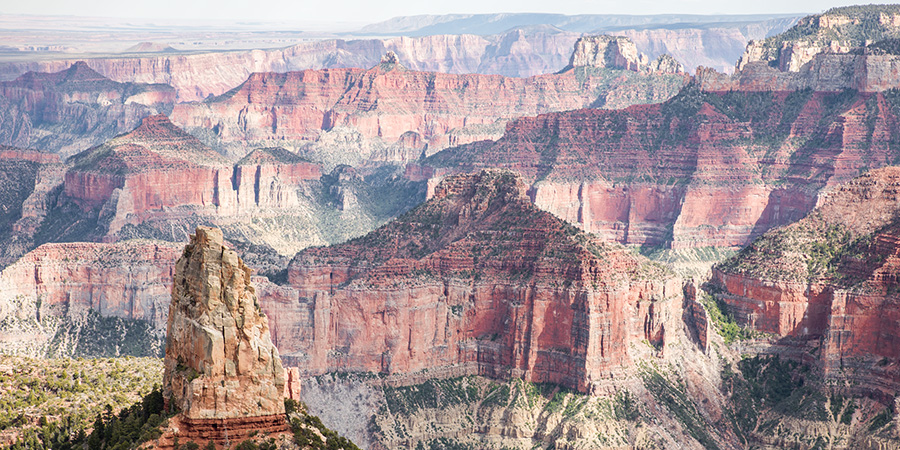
(74, 109)
(830, 279)
(57, 284)
(309, 111)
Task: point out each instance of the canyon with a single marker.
(391, 114)
(515, 52)
(515, 306)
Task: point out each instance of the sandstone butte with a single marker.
(475, 281)
(830, 282)
(222, 373)
(74, 109)
(159, 173)
(385, 102)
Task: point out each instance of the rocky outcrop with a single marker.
(617, 52)
(304, 110)
(612, 52)
(220, 362)
(836, 31)
(830, 278)
(475, 281)
(698, 170)
(76, 108)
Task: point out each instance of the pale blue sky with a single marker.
(370, 11)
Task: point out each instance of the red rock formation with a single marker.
(705, 168)
(158, 173)
(74, 109)
(831, 277)
(476, 280)
(290, 108)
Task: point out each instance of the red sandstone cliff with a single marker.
(71, 110)
(385, 103)
(830, 278)
(704, 168)
(58, 281)
(476, 280)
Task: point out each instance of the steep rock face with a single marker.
(57, 284)
(220, 362)
(71, 110)
(704, 168)
(618, 52)
(292, 109)
(830, 277)
(476, 280)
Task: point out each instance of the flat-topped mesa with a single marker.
(220, 361)
(617, 52)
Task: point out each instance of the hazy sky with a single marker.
(370, 11)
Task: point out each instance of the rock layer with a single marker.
(220, 361)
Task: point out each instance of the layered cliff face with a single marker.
(309, 110)
(476, 280)
(87, 299)
(830, 278)
(704, 168)
(74, 109)
(158, 181)
(220, 362)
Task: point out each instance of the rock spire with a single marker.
(220, 361)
